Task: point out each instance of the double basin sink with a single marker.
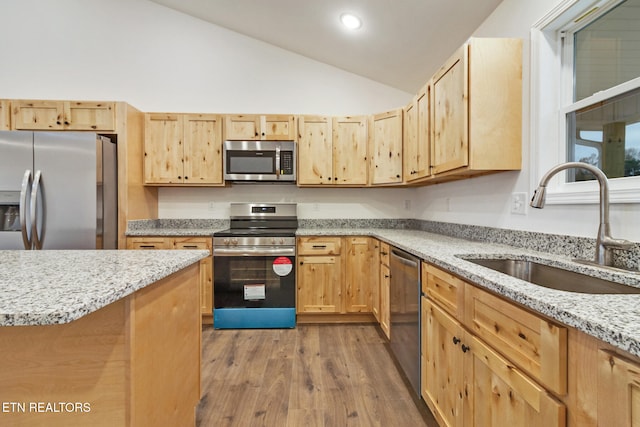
(553, 277)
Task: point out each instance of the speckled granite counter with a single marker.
(612, 318)
(175, 227)
(55, 287)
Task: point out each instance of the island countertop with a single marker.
(59, 286)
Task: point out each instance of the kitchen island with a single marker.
(99, 338)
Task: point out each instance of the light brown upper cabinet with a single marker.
(350, 150)
(315, 150)
(183, 149)
(332, 151)
(259, 127)
(416, 141)
(63, 115)
(476, 99)
(386, 142)
(5, 114)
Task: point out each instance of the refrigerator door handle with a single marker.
(27, 238)
(35, 188)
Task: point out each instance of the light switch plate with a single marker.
(519, 203)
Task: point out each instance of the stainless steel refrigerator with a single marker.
(58, 190)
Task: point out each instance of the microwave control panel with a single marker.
(286, 163)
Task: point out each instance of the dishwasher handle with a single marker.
(404, 258)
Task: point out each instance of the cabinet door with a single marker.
(423, 138)
(98, 116)
(240, 127)
(386, 131)
(451, 114)
(278, 127)
(619, 391)
(163, 149)
(206, 286)
(442, 368)
(358, 279)
(350, 150)
(5, 114)
(502, 396)
(315, 152)
(385, 308)
(319, 279)
(37, 115)
(375, 278)
(410, 140)
(202, 149)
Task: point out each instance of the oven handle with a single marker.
(260, 251)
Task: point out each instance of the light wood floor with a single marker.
(313, 375)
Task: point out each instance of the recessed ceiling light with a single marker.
(350, 21)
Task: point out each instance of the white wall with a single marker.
(486, 200)
(160, 60)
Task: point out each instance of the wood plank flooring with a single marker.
(313, 375)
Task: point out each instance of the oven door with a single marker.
(254, 288)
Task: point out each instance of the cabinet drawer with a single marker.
(319, 246)
(444, 288)
(150, 243)
(536, 345)
(384, 253)
(192, 243)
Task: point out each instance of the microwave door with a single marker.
(250, 165)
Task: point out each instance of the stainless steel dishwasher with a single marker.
(404, 301)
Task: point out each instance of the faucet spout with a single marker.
(604, 242)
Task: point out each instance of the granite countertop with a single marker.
(59, 286)
(612, 318)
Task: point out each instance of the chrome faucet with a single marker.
(604, 242)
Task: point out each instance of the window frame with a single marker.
(552, 99)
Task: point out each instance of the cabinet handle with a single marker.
(465, 348)
(319, 246)
(179, 177)
(385, 253)
(186, 177)
(301, 262)
(191, 246)
(148, 246)
(456, 340)
(386, 276)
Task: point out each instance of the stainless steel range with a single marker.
(254, 268)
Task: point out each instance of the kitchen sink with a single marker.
(554, 277)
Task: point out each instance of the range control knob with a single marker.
(281, 241)
(226, 241)
(273, 241)
(234, 242)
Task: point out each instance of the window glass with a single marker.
(607, 50)
(606, 135)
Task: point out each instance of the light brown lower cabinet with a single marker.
(619, 390)
(336, 275)
(468, 382)
(206, 264)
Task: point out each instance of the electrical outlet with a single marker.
(212, 206)
(519, 203)
(407, 205)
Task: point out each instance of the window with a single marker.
(586, 97)
(602, 53)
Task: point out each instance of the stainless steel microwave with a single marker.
(269, 161)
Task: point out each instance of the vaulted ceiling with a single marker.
(400, 44)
